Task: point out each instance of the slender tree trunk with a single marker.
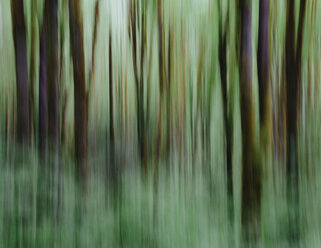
(111, 111)
(33, 66)
(227, 122)
(43, 111)
(135, 30)
(292, 116)
(293, 86)
(19, 37)
(51, 16)
(80, 93)
(161, 56)
(92, 85)
(292, 92)
(62, 89)
(251, 172)
(265, 94)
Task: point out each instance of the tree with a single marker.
(137, 36)
(33, 65)
(227, 119)
(80, 93)
(251, 170)
(51, 17)
(164, 84)
(293, 57)
(19, 38)
(265, 94)
(43, 108)
(111, 110)
(48, 80)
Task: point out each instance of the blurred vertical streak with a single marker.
(51, 16)
(227, 117)
(311, 77)
(137, 36)
(149, 83)
(265, 94)
(111, 112)
(33, 66)
(251, 170)
(7, 125)
(169, 135)
(199, 95)
(182, 94)
(92, 69)
(293, 86)
(43, 119)
(161, 78)
(80, 92)
(62, 83)
(19, 38)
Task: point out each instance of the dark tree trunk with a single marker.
(48, 84)
(93, 48)
(134, 31)
(43, 117)
(293, 86)
(227, 122)
(51, 16)
(19, 37)
(251, 172)
(33, 67)
(292, 93)
(80, 93)
(265, 91)
(161, 55)
(263, 66)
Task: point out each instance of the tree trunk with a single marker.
(293, 86)
(251, 172)
(19, 37)
(134, 31)
(33, 66)
(264, 76)
(51, 16)
(162, 85)
(43, 111)
(80, 93)
(111, 111)
(227, 122)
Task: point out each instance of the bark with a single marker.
(19, 38)
(251, 172)
(164, 87)
(51, 16)
(182, 97)
(227, 122)
(136, 29)
(33, 65)
(293, 86)
(93, 49)
(292, 92)
(43, 110)
(263, 66)
(161, 56)
(265, 89)
(80, 93)
(62, 89)
(292, 117)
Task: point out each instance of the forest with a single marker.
(160, 123)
